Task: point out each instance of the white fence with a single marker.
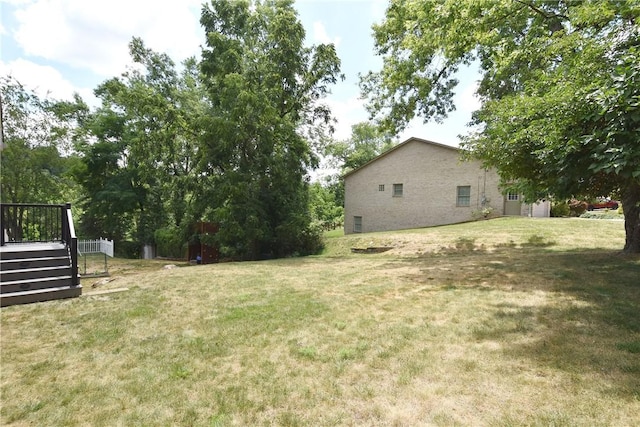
(100, 246)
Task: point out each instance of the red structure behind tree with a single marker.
(208, 253)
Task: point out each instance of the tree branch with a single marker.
(542, 12)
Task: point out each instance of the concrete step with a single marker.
(32, 284)
(38, 295)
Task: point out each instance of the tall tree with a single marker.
(140, 148)
(35, 155)
(265, 89)
(559, 87)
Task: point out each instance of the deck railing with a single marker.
(40, 223)
(97, 246)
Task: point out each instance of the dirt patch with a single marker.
(371, 250)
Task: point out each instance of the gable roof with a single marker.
(395, 147)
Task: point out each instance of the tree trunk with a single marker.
(631, 207)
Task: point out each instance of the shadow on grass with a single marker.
(589, 324)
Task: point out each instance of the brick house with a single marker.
(420, 183)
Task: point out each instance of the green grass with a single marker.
(505, 322)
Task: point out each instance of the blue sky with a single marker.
(64, 46)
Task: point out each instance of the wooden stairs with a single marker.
(34, 272)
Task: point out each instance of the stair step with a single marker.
(17, 264)
(38, 295)
(33, 284)
(38, 250)
(34, 273)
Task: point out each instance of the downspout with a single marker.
(484, 188)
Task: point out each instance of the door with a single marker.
(512, 205)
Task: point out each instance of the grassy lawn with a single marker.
(507, 322)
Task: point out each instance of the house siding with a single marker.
(430, 174)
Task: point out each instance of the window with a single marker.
(513, 197)
(464, 196)
(397, 190)
(357, 224)
(381, 187)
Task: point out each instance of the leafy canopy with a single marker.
(265, 89)
(366, 142)
(36, 153)
(140, 148)
(559, 88)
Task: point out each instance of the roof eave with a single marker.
(395, 147)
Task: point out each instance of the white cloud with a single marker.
(466, 99)
(94, 35)
(16, 2)
(378, 10)
(347, 113)
(45, 81)
(320, 35)
(352, 110)
(444, 133)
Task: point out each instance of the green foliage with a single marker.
(35, 155)
(604, 214)
(139, 148)
(264, 88)
(324, 207)
(170, 242)
(631, 346)
(226, 140)
(560, 209)
(111, 193)
(127, 249)
(560, 89)
(367, 142)
(299, 239)
(483, 213)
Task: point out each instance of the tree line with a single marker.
(227, 138)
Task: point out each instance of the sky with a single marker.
(58, 47)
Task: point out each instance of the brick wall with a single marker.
(430, 174)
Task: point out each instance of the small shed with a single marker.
(208, 253)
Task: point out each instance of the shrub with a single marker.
(299, 242)
(560, 209)
(577, 207)
(170, 242)
(606, 214)
(483, 213)
(127, 249)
